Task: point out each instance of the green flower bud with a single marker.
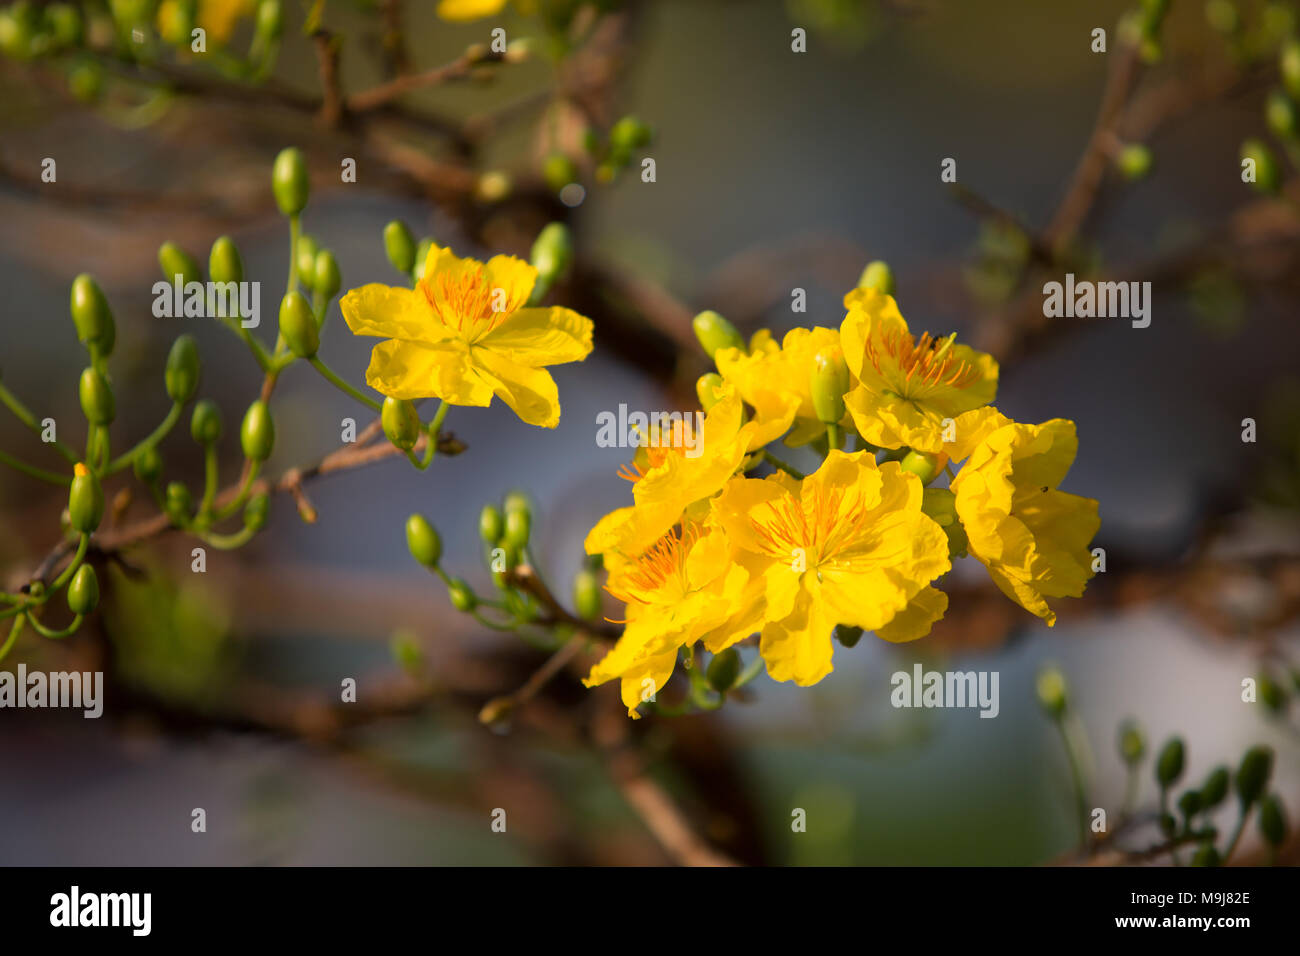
(1133, 161)
(270, 19)
(148, 465)
(706, 390)
(63, 21)
(1280, 114)
(205, 424)
(829, 380)
(1222, 16)
(518, 526)
(940, 505)
(257, 511)
(517, 501)
(399, 244)
(1206, 855)
(559, 170)
(1131, 743)
(423, 541)
(1268, 176)
(289, 181)
(1168, 825)
(182, 373)
(86, 81)
(85, 500)
(178, 504)
(848, 636)
(1252, 776)
(406, 651)
(1272, 694)
(1215, 788)
(1189, 804)
(328, 280)
(83, 592)
(490, 524)
(924, 466)
(723, 670)
(306, 251)
(1272, 820)
(224, 263)
(96, 397)
(1051, 689)
(715, 332)
(298, 325)
(1169, 764)
(1288, 64)
(552, 252)
(421, 258)
(257, 433)
(462, 598)
(401, 422)
(586, 594)
(91, 314)
(175, 261)
(877, 275)
(630, 134)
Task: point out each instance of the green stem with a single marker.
(834, 437)
(13, 636)
(775, 462)
(1242, 814)
(250, 475)
(44, 631)
(343, 386)
(754, 668)
(228, 542)
(32, 471)
(431, 449)
(24, 415)
(1076, 781)
(71, 569)
(127, 458)
(210, 478)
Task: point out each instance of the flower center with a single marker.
(465, 300)
(667, 442)
(659, 574)
(923, 363)
(825, 526)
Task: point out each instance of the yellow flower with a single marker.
(847, 545)
(463, 10)
(668, 479)
(464, 334)
(908, 385)
(216, 17)
(1032, 538)
(775, 381)
(684, 588)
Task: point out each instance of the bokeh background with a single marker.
(775, 170)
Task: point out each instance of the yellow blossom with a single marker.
(464, 10)
(216, 17)
(1032, 538)
(908, 385)
(682, 589)
(847, 545)
(465, 333)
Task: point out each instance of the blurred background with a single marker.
(775, 170)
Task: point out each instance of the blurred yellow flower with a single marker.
(1032, 538)
(775, 381)
(847, 545)
(463, 10)
(908, 385)
(217, 18)
(464, 334)
(683, 588)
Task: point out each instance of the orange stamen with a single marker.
(927, 360)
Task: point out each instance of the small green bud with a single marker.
(723, 670)
(423, 541)
(224, 263)
(940, 505)
(559, 170)
(306, 251)
(96, 397)
(1052, 695)
(715, 332)
(86, 81)
(586, 594)
(828, 381)
(518, 526)
(406, 651)
(91, 314)
(462, 598)
(1131, 742)
(517, 501)
(85, 500)
(924, 466)
(552, 252)
(1215, 788)
(1222, 16)
(1272, 694)
(1169, 764)
(706, 390)
(1252, 776)
(63, 21)
(877, 275)
(1189, 804)
(1206, 855)
(148, 465)
(298, 325)
(175, 261)
(1133, 161)
(326, 274)
(490, 524)
(848, 636)
(1168, 825)
(421, 258)
(257, 433)
(83, 592)
(178, 504)
(629, 134)
(1272, 820)
(401, 422)
(182, 373)
(257, 511)
(1288, 64)
(399, 244)
(289, 181)
(205, 423)
(1280, 114)
(1268, 176)
(270, 19)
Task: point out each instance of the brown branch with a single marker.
(327, 54)
(385, 93)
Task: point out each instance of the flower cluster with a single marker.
(711, 553)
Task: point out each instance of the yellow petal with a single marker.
(798, 647)
(536, 337)
(917, 618)
(530, 392)
(412, 370)
(391, 313)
